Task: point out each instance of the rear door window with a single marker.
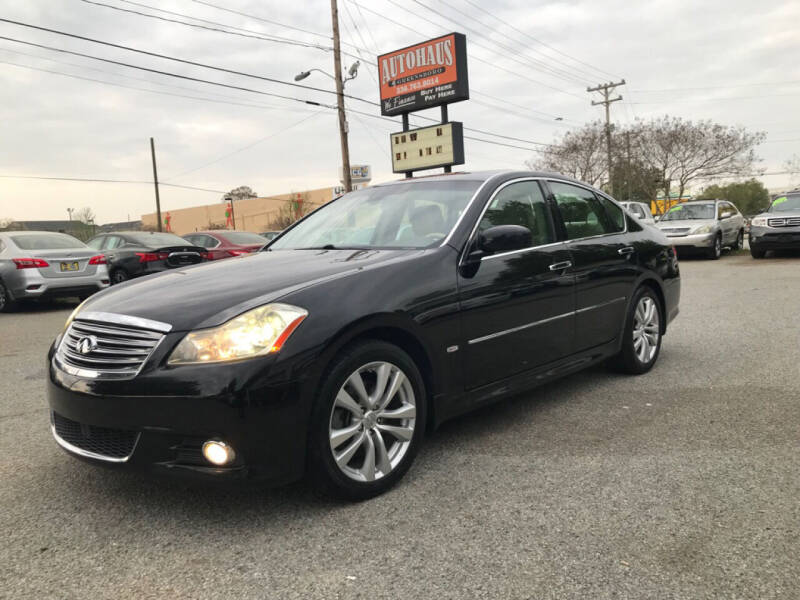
(583, 213)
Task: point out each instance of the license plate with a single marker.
(69, 266)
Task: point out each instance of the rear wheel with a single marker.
(119, 276)
(739, 243)
(7, 303)
(756, 253)
(367, 423)
(641, 343)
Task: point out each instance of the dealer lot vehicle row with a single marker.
(385, 312)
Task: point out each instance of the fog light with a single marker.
(218, 453)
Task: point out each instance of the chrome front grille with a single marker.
(675, 231)
(785, 222)
(106, 350)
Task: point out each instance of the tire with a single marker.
(756, 253)
(7, 303)
(340, 407)
(631, 359)
(716, 250)
(739, 243)
(119, 276)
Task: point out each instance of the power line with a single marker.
(552, 71)
(90, 180)
(538, 41)
(165, 57)
(719, 87)
(247, 147)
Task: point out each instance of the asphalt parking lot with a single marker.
(683, 483)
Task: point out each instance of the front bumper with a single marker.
(774, 238)
(693, 241)
(31, 285)
(115, 424)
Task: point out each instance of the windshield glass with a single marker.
(157, 240)
(404, 215)
(46, 241)
(689, 211)
(790, 202)
(244, 237)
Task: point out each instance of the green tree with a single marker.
(750, 197)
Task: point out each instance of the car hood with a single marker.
(692, 223)
(211, 293)
(789, 214)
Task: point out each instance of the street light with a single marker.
(352, 73)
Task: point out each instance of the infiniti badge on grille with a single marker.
(86, 344)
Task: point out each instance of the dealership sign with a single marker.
(424, 75)
(428, 148)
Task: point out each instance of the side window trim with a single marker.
(548, 207)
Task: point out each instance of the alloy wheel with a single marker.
(372, 421)
(717, 246)
(646, 329)
(2, 297)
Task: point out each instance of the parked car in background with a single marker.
(378, 316)
(269, 235)
(225, 244)
(778, 228)
(640, 210)
(704, 226)
(41, 264)
(132, 254)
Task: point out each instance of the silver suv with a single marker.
(704, 225)
(778, 228)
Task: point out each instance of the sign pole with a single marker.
(409, 174)
(447, 168)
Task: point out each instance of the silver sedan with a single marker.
(41, 264)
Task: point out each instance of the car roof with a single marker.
(484, 176)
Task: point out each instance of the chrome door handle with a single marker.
(626, 250)
(560, 266)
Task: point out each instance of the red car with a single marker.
(224, 243)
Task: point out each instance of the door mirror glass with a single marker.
(504, 238)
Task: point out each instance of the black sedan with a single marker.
(135, 253)
(366, 324)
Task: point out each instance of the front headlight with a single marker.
(257, 332)
(759, 222)
(703, 229)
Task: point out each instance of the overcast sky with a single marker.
(734, 61)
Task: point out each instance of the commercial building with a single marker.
(252, 214)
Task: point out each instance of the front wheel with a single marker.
(756, 253)
(716, 250)
(641, 343)
(367, 422)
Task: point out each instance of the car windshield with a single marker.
(244, 237)
(47, 241)
(790, 202)
(404, 215)
(689, 211)
(157, 240)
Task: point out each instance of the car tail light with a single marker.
(145, 257)
(29, 263)
(204, 254)
(98, 260)
(238, 252)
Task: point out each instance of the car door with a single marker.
(731, 223)
(517, 306)
(604, 262)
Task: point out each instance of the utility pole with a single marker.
(69, 210)
(605, 89)
(627, 165)
(337, 72)
(155, 181)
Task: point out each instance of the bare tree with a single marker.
(85, 215)
(580, 154)
(792, 165)
(684, 152)
(242, 192)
